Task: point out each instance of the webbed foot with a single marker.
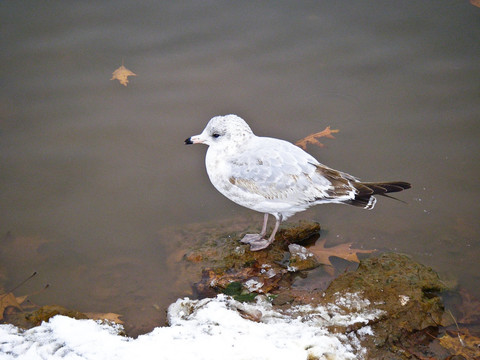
(259, 245)
(251, 238)
(256, 241)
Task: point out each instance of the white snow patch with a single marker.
(404, 299)
(366, 330)
(253, 285)
(270, 273)
(300, 251)
(218, 328)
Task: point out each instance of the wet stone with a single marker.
(225, 260)
(28, 320)
(301, 259)
(48, 311)
(304, 232)
(407, 292)
(282, 299)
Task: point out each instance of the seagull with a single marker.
(276, 177)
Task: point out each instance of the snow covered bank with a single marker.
(218, 328)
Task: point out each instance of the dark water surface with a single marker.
(92, 172)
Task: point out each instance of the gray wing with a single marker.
(278, 170)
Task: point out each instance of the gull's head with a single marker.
(223, 131)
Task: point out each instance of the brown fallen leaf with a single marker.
(122, 74)
(343, 251)
(461, 343)
(10, 301)
(312, 138)
(7, 300)
(21, 299)
(105, 316)
(475, 2)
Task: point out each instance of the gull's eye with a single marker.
(215, 135)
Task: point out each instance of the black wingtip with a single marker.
(188, 141)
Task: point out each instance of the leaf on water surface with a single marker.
(343, 251)
(122, 74)
(312, 138)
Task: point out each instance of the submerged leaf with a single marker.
(7, 300)
(122, 74)
(105, 316)
(462, 344)
(343, 251)
(470, 308)
(21, 299)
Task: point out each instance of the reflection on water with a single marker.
(95, 171)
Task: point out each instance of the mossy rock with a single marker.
(49, 311)
(406, 291)
(225, 259)
(298, 233)
(27, 320)
(227, 250)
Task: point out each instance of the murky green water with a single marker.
(100, 170)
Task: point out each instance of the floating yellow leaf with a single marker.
(122, 74)
(343, 251)
(312, 138)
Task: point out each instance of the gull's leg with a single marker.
(263, 243)
(249, 238)
(264, 227)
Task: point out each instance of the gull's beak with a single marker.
(193, 140)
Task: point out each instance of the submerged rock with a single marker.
(407, 292)
(30, 319)
(48, 311)
(301, 258)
